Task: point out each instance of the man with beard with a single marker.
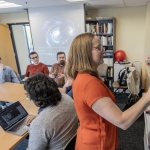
(57, 70)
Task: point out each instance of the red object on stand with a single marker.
(120, 55)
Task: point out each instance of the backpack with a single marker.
(122, 77)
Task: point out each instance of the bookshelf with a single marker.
(104, 28)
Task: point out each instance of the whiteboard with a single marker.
(53, 29)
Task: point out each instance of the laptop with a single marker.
(13, 119)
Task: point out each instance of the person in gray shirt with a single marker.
(7, 74)
(56, 121)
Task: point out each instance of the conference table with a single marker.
(7, 140)
(12, 92)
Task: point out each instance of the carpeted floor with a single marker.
(130, 139)
(22, 145)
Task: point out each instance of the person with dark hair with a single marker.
(36, 66)
(98, 114)
(56, 121)
(7, 74)
(57, 70)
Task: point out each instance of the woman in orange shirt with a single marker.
(98, 114)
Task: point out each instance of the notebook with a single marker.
(13, 118)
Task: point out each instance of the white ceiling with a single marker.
(93, 4)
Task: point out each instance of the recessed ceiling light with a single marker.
(4, 4)
(77, 0)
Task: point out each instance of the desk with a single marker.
(9, 141)
(12, 92)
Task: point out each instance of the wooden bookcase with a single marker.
(104, 28)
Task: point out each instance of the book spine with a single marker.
(97, 28)
(88, 28)
(109, 28)
(105, 29)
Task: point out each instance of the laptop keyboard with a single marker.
(18, 126)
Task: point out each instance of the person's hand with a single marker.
(69, 82)
(52, 75)
(60, 75)
(1, 66)
(25, 79)
(29, 119)
(147, 95)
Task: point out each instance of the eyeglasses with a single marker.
(34, 57)
(100, 48)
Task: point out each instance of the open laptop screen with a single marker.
(11, 115)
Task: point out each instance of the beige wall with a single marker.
(130, 30)
(147, 33)
(14, 17)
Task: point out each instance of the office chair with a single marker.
(117, 86)
(131, 83)
(71, 143)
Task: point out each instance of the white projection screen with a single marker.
(53, 29)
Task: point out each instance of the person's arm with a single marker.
(38, 139)
(111, 112)
(66, 85)
(14, 77)
(51, 73)
(2, 79)
(29, 119)
(60, 75)
(64, 89)
(45, 70)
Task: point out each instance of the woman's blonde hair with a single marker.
(80, 56)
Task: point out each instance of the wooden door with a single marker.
(6, 48)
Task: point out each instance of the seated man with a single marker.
(36, 67)
(57, 121)
(7, 74)
(57, 70)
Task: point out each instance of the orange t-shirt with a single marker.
(94, 133)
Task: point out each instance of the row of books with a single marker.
(102, 28)
(106, 40)
(108, 53)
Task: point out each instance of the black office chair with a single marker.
(71, 143)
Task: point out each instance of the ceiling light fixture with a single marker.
(77, 0)
(4, 4)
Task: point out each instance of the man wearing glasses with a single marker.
(36, 66)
